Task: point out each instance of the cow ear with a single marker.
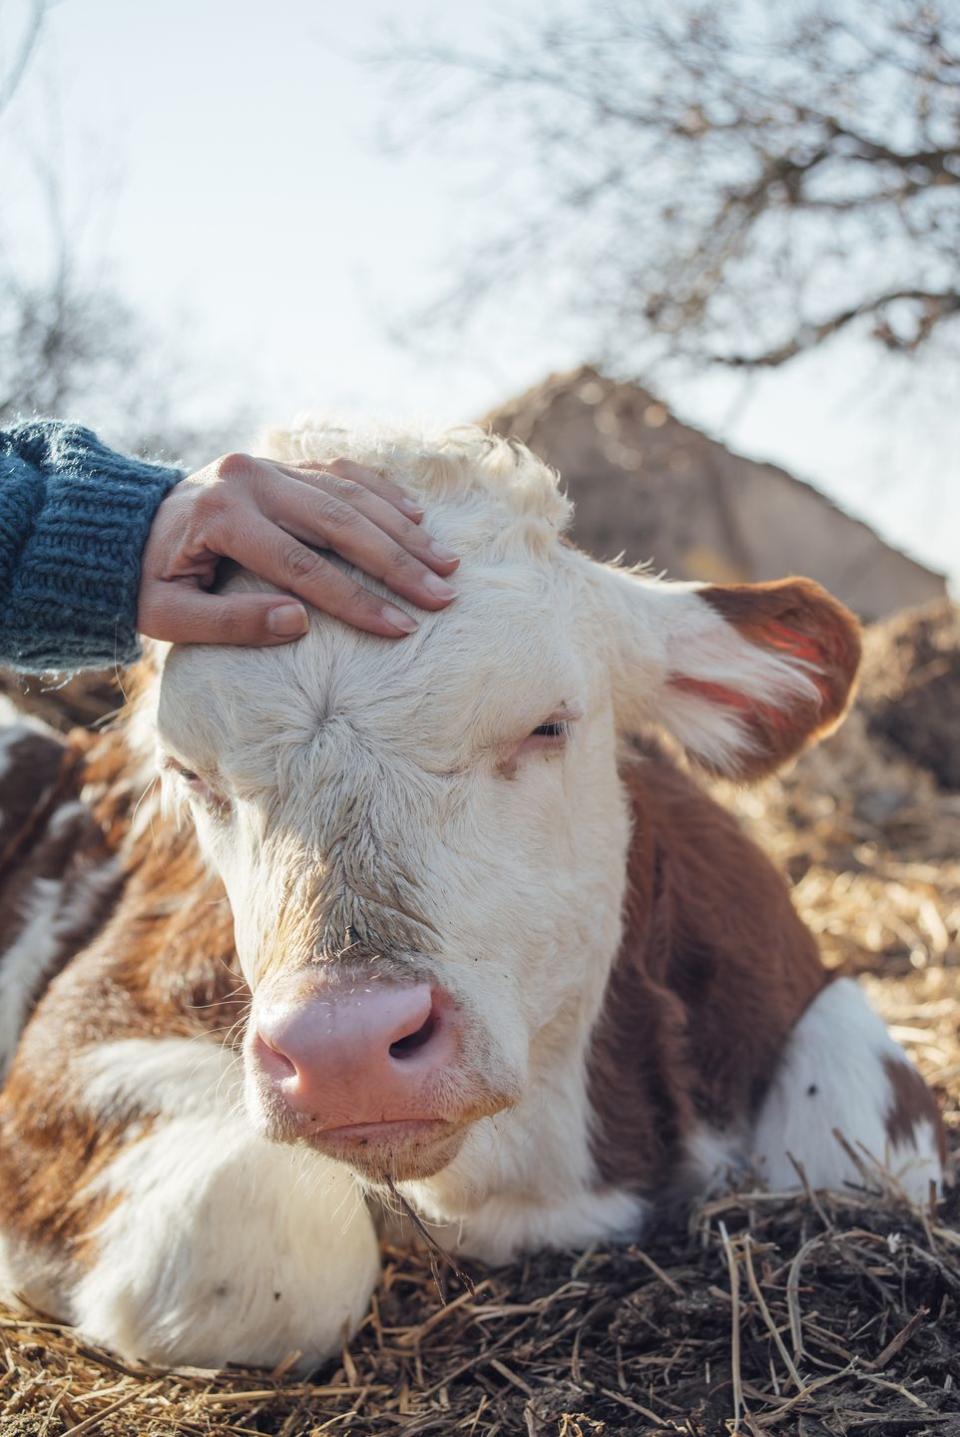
(743, 675)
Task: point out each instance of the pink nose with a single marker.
(365, 1053)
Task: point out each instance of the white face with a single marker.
(438, 819)
(393, 805)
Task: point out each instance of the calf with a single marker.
(444, 913)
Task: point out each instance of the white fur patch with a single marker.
(504, 1227)
(832, 1076)
(526, 1179)
(222, 1247)
(463, 463)
(713, 1160)
(157, 1075)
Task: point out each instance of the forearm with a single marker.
(74, 518)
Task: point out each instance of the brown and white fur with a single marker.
(643, 1012)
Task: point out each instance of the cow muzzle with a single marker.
(365, 1070)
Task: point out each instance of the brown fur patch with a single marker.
(800, 620)
(912, 1103)
(38, 776)
(163, 964)
(49, 838)
(713, 971)
(61, 1145)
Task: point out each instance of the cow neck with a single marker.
(713, 970)
(637, 1069)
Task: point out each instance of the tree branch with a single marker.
(31, 37)
(938, 306)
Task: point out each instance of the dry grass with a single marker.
(807, 1316)
(844, 1313)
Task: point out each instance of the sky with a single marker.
(222, 160)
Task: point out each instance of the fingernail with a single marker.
(399, 619)
(411, 507)
(436, 586)
(287, 620)
(442, 552)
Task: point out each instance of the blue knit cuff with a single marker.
(74, 519)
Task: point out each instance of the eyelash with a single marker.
(556, 729)
(186, 774)
(197, 785)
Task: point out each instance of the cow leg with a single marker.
(206, 1244)
(842, 1070)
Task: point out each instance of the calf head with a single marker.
(424, 841)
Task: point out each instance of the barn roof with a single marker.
(656, 489)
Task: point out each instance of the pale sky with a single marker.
(221, 157)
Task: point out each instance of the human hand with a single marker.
(263, 515)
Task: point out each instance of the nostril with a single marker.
(413, 1042)
(274, 1060)
(371, 1043)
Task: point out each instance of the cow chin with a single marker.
(392, 1152)
(403, 1149)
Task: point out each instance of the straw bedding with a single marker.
(753, 1314)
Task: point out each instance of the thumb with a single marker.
(184, 614)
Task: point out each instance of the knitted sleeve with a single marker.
(74, 517)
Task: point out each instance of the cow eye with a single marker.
(556, 728)
(188, 776)
(547, 738)
(198, 786)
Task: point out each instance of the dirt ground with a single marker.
(754, 1314)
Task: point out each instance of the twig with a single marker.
(754, 1286)
(412, 1335)
(90, 1423)
(811, 1196)
(769, 1418)
(900, 1340)
(434, 1250)
(658, 1271)
(869, 1182)
(633, 1406)
(734, 1271)
(793, 1293)
(898, 1387)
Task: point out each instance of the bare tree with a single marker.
(64, 334)
(61, 339)
(71, 345)
(731, 184)
(23, 52)
(71, 348)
